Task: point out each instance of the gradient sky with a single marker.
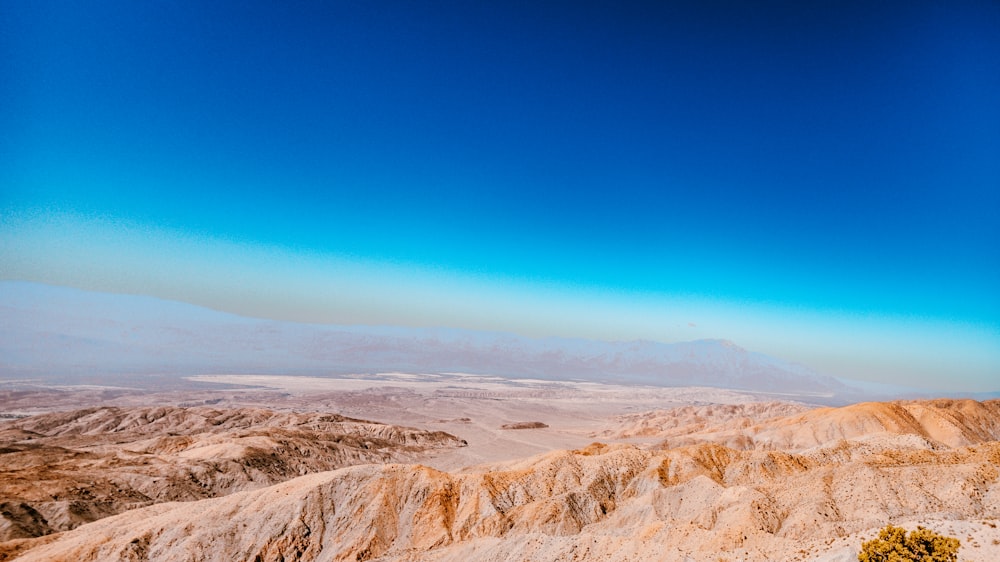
(815, 180)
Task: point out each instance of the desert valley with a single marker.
(460, 467)
(114, 447)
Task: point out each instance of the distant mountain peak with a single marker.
(50, 330)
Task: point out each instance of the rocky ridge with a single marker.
(788, 426)
(599, 503)
(61, 470)
(806, 484)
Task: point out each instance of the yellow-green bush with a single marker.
(894, 544)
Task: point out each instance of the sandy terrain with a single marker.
(593, 472)
(476, 407)
(471, 406)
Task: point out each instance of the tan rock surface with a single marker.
(603, 502)
(790, 426)
(58, 471)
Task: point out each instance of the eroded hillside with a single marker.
(58, 471)
(803, 485)
(788, 426)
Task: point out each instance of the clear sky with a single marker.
(815, 180)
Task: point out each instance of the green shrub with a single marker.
(923, 545)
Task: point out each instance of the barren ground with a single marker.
(685, 473)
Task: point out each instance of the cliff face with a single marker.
(602, 502)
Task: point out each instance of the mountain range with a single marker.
(52, 332)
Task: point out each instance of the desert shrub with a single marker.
(894, 544)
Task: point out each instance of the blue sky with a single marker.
(818, 181)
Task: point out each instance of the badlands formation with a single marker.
(595, 473)
(62, 470)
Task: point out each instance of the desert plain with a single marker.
(451, 466)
